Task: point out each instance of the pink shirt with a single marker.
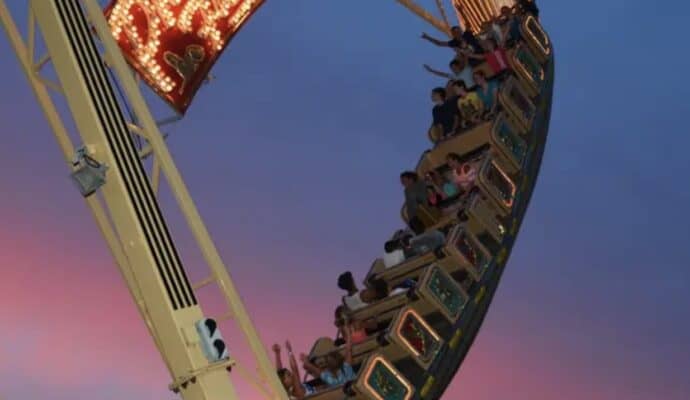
(465, 180)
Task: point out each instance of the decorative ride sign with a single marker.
(172, 44)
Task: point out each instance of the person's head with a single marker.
(458, 64)
(460, 87)
(490, 44)
(438, 95)
(334, 361)
(505, 11)
(479, 77)
(466, 168)
(456, 32)
(286, 378)
(377, 291)
(340, 316)
(436, 178)
(408, 178)
(347, 282)
(453, 160)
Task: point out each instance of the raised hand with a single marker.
(276, 348)
(288, 346)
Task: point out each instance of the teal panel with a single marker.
(512, 142)
(527, 60)
(446, 293)
(468, 249)
(384, 382)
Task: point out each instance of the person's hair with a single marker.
(346, 281)
(479, 73)
(417, 226)
(337, 358)
(282, 372)
(381, 288)
(440, 91)
(460, 83)
(454, 157)
(454, 27)
(455, 61)
(409, 175)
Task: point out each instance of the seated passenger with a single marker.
(487, 32)
(509, 25)
(529, 7)
(464, 174)
(459, 37)
(444, 113)
(429, 241)
(487, 91)
(433, 196)
(295, 389)
(338, 370)
(415, 195)
(404, 287)
(494, 55)
(447, 188)
(469, 104)
(459, 69)
(357, 329)
(357, 299)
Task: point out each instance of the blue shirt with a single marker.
(345, 374)
(308, 389)
(487, 97)
(450, 189)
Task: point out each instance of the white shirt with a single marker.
(393, 258)
(354, 302)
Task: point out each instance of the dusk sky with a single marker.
(292, 156)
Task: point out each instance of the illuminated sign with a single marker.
(473, 13)
(172, 44)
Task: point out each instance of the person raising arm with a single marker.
(338, 370)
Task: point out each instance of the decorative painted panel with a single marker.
(385, 383)
(446, 292)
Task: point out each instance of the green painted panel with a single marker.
(446, 292)
(470, 251)
(512, 142)
(384, 382)
(531, 65)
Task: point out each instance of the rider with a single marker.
(290, 377)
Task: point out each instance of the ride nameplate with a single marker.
(173, 44)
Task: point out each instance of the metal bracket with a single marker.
(184, 380)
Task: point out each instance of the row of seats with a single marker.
(393, 329)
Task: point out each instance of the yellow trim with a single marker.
(399, 327)
(427, 386)
(455, 341)
(480, 295)
(502, 256)
(398, 376)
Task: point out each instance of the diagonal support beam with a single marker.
(425, 15)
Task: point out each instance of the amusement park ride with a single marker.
(171, 46)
